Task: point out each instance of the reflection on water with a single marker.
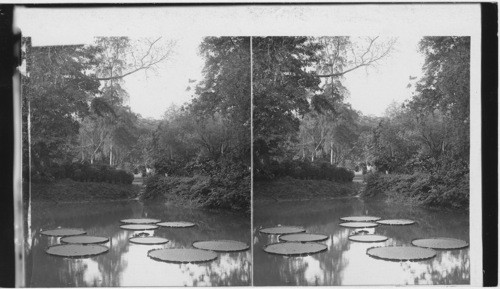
(127, 264)
(345, 262)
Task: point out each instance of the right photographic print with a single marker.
(361, 160)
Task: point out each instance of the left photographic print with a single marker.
(136, 161)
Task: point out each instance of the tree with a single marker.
(282, 83)
(445, 86)
(59, 85)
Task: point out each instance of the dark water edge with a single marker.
(127, 264)
(346, 262)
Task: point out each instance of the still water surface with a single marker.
(345, 262)
(127, 264)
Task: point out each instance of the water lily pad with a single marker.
(440, 243)
(295, 248)
(396, 222)
(401, 253)
(84, 240)
(357, 225)
(360, 219)
(176, 224)
(303, 237)
(138, 227)
(62, 232)
(182, 255)
(148, 240)
(280, 230)
(367, 238)
(221, 245)
(140, 221)
(76, 250)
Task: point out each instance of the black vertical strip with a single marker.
(7, 66)
(489, 140)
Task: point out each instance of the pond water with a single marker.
(346, 262)
(127, 264)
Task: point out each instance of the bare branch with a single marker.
(374, 53)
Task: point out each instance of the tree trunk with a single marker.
(111, 155)
(331, 153)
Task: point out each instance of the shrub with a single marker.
(84, 172)
(430, 189)
(305, 170)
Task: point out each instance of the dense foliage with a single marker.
(85, 172)
(298, 87)
(73, 105)
(307, 170)
(204, 146)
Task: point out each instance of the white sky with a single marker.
(371, 91)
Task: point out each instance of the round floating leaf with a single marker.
(357, 225)
(396, 222)
(280, 230)
(138, 227)
(182, 255)
(303, 237)
(367, 238)
(176, 224)
(84, 240)
(440, 243)
(76, 250)
(221, 245)
(295, 248)
(62, 232)
(140, 221)
(148, 240)
(360, 219)
(401, 253)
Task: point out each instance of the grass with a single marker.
(287, 188)
(67, 190)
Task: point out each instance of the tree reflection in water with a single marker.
(127, 264)
(346, 262)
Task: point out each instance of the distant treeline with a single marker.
(84, 172)
(306, 170)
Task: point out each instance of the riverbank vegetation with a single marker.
(420, 148)
(291, 189)
(201, 151)
(77, 124)
(69, 191)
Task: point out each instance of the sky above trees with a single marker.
(371, 91)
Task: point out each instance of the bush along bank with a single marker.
(84, 172)
(67, 190)
(304, 170)
(425, 189)
(221, 190)
(288, 188)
